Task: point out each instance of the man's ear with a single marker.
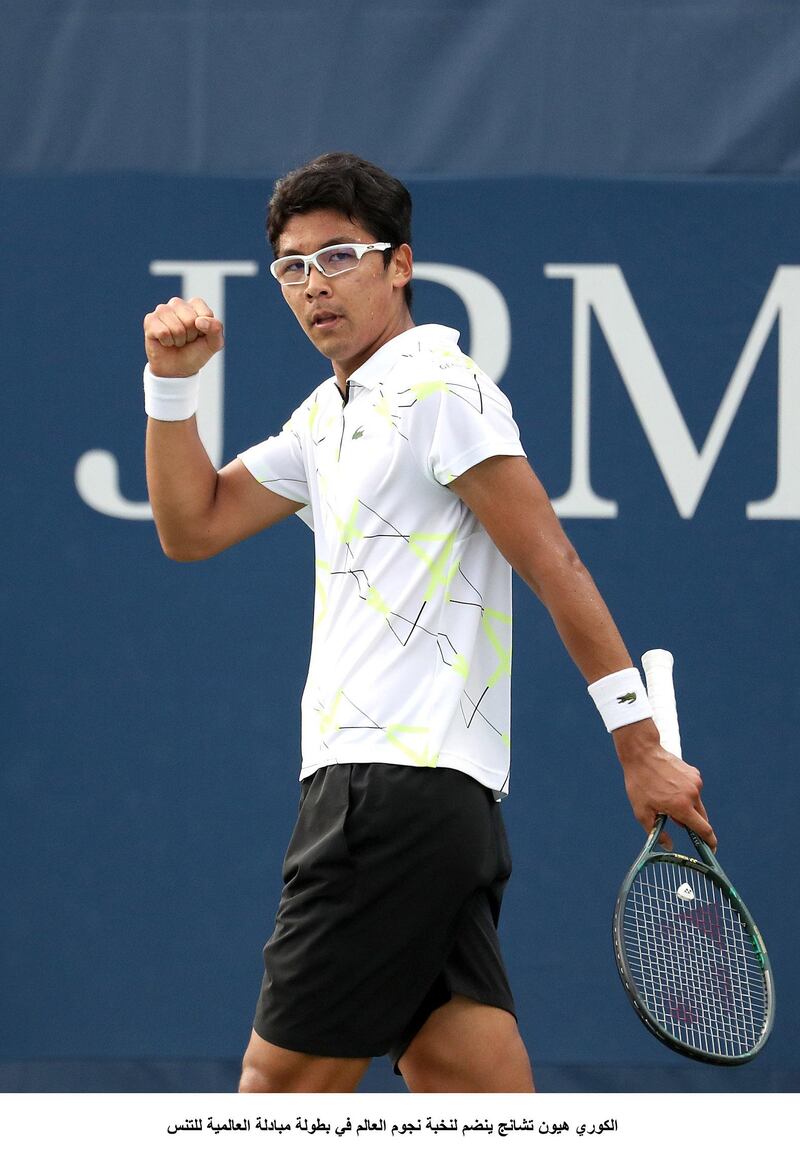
(403, 265)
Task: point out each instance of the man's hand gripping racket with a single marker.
(689, 954)
(657, 780)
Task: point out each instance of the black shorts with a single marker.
(393, 878)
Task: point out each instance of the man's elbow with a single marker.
(185, 550)
(179, 556)
(548, 575)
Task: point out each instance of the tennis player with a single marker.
(407, 464)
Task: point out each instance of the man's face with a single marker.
(347, 317)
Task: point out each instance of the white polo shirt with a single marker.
(411, 650)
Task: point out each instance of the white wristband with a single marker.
(170, 399)
(621, 698)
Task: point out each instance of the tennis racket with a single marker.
(689, 954)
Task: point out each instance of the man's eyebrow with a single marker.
(328, 244)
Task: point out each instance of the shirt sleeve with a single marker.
(459, 420)
(278, 464)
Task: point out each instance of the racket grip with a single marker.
(658, 666)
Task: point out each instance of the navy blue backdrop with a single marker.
(432, 87)
(151, 709)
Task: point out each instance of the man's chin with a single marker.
(327, 340)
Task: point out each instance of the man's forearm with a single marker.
(182, 482)
(580, 615)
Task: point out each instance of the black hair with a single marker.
(358, 189)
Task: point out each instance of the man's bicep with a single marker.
(243, 506)
(505, 494)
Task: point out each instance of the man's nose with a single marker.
(317, 283)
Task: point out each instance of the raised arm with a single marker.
(198, 511)
(508, 499)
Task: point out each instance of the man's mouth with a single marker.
(322, 320)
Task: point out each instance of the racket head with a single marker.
(691, 958)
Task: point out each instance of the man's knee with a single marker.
(269, 1069)
(264, 1071)
(465, 1047)
(255, 1080)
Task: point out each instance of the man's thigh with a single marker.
(270, 1069)
(467, 1047)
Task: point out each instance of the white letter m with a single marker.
(601, 289)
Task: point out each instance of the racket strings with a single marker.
(693, 960)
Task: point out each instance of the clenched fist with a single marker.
(181, 336)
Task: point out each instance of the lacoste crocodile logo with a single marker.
(359, 431)
(629, 698)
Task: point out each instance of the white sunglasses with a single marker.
(331, 261)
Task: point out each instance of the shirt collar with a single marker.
(371, 373)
